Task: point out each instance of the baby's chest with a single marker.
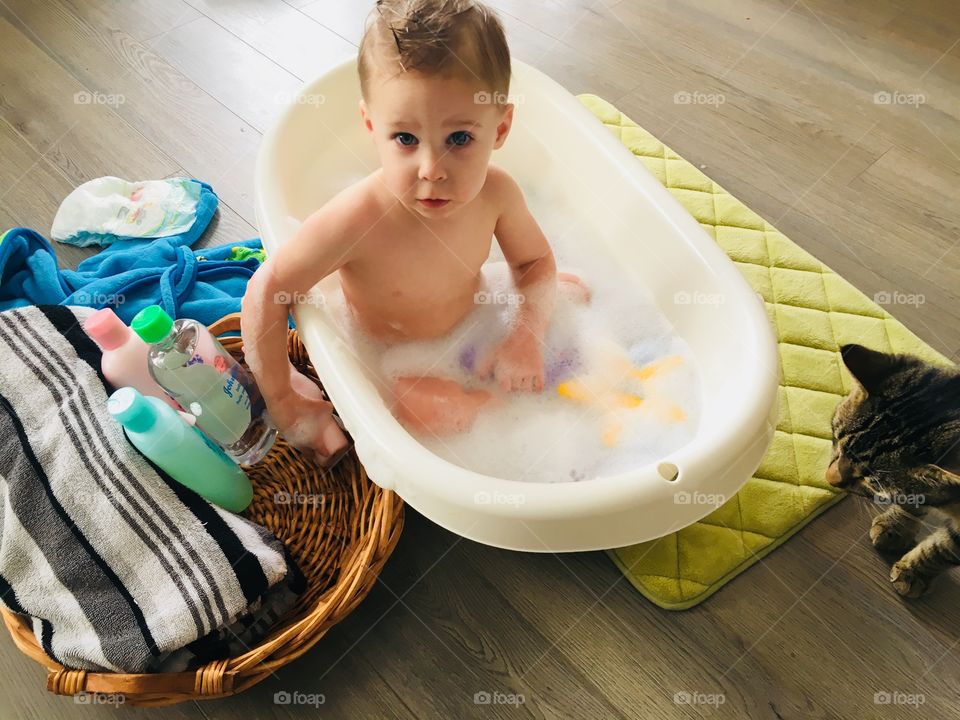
(416, 266)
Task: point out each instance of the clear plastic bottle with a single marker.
(190, 364)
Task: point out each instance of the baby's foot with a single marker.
(573, 287)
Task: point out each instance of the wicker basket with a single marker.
(340, 543)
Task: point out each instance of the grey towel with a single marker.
(119, 567)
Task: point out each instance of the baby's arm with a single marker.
(326, 241)
(530, 258)
(518, 361)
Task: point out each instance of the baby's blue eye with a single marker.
(460, 138)
(405, 139)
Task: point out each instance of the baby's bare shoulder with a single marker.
(349, 215)
(332, 236)
(501, 189)
(353, 206)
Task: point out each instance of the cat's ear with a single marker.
(869, 367)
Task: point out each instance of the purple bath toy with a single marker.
(563, 365)
(558, 368)
(468, 357)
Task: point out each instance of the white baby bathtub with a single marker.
(317, 146)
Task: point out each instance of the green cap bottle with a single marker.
(152, 324)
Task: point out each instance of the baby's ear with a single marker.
(868, 367)
(503, 127)
(364, 115)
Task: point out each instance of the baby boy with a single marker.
(409, 240)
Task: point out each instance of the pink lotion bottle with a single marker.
(124, 360)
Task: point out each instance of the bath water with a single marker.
(621, 389)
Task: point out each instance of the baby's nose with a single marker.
(432, 174)
(432, 170)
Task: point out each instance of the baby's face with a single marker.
(434, 136)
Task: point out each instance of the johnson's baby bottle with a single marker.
(190, 364)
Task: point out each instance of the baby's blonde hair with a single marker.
(437, 37)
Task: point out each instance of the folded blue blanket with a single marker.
(127, 276)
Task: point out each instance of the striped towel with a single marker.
(119, 567)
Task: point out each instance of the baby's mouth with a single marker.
(432, 202)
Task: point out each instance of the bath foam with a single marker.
(814, 311)
(601, 432)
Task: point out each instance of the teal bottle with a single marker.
(181, 451)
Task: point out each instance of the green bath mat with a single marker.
(814, 311)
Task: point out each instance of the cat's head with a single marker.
(896, 436)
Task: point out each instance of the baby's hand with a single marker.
(516, 363)
(306, 421)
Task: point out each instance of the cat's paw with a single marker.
(907, 581)
(889, 536)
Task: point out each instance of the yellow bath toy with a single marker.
(598, 390)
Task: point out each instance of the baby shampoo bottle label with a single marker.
(224, 417)
(212, 387)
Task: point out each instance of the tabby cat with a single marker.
(897, 442)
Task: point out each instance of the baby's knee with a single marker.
(574, 285)
(438, 406)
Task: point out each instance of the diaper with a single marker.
(106, 209)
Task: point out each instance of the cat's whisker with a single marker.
(866, 509)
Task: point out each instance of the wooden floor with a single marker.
(872, 188)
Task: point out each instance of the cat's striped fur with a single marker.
(896, 440)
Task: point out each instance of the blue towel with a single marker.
(127, 276)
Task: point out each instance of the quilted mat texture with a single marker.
(814, 311)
